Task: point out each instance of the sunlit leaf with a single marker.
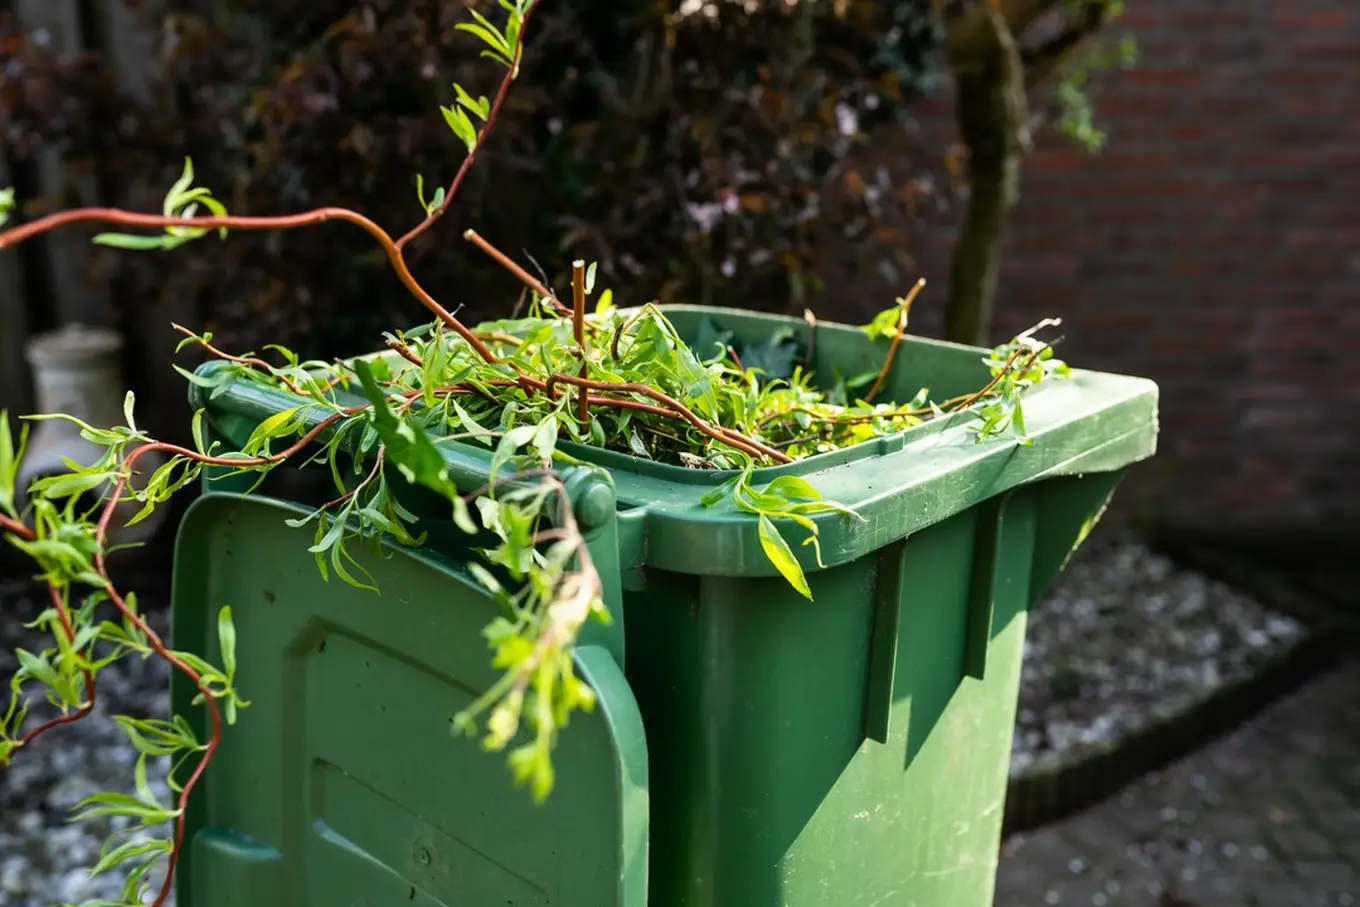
(226, 636)
(131, 242)
(410, 451)
(779, 553)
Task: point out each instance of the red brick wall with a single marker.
(1214, 246)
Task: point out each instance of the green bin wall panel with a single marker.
(767, 789)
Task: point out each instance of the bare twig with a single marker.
(736, 360)
(578, 320)
(505, 261)
(811, 320)
(903, 314)
(406, 353)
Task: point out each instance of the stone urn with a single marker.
(76, 371)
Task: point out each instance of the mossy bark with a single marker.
(984, 120)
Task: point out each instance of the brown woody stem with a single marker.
(578, 320)
(902, 316)
(16, 235)
(505, 261)
(716, 432)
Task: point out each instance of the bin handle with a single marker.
(616, 540)
(1001, 543)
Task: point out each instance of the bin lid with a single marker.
(342, 783)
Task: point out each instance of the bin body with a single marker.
(832, 752)
(848, 750)
(341, 784)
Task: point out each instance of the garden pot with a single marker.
(752, 748)
(77, 372)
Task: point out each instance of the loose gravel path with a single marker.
(1269, 816)
(44, 858)
(1124, 635)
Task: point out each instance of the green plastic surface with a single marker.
(851, 750)
(341, 783)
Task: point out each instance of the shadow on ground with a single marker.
(1268, 816)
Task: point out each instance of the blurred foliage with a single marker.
(698, 150)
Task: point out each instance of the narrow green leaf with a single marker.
(124, 852)
(329, 537)
(176, 193)
(216, 209)
(484, 576)
(511, 441)
(824, 507)
(636, 446)
(491, 38)
(794, 488)
(462, 518)
(8, 464)
(37, 667)
(723, 491)
(127, 410)
(779, 553)
(497, 40)
(270, 428)
(605, 302)
(545, 439)
(470, 424)
(226, 636)
(496, 56)
(200, 380)
(460, 124)
(143, 787)
(154, 738)
(409, 449)
(130, 242)
(200, 443)
(63, 486)
(480, 106)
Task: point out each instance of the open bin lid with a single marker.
(342, 784)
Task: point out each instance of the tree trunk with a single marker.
(985, 124)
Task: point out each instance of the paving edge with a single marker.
(1089, 775)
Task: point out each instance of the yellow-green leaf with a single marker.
(779, 553)
(267, 428)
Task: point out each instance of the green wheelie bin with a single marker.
(751, 748)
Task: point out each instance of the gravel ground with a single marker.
(1122, 631)
(44, 859)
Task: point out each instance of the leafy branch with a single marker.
(522, 388)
